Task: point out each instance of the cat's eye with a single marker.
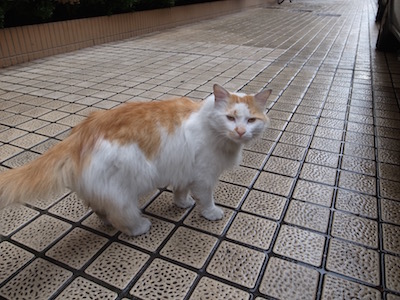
(230, 118)
(251, 120)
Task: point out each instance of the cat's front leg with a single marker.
(205, 198)
(182, 198)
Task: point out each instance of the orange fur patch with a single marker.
(254, 109)
(135, 123)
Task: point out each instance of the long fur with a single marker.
(115, 156)
(49, 173)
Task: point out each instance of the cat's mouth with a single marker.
(239, 138)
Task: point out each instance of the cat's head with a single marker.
(239, 117)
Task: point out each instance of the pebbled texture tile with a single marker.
(273, 183)
(308, 215)
(282, 166)
(163, 280)
(391, 238)
(194, 219)
(13, 217)
(39, 280)
(339, 288)
(322, 158)
(239, 175)
(390, 211)
(252, 230)
(151, 240)
(117, 265)
(189, 247)
(71, 208)
(359, 165)
(229, 194)
(47, 228)
(360, 204)
(164, 206)
(355, 229)
(390, 189)
(289, 151)
(236, 263)
(313, 192)
(318, 173)
(300, 244)
(357, 182)
(392, 272)
(354, 261)
(209, 289)
(12, 259)
(264, 204)
(76, 248)
(82, 288)
(287, 280)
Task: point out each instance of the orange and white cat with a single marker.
(113, 157)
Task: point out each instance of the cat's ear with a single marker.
(221, 95)
(262, 97)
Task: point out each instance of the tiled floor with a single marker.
(313, 212)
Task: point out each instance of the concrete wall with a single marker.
(26, 43)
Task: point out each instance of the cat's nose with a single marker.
(240, 131)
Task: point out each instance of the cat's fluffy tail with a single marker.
(49, 173)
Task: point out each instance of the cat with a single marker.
(113, 157)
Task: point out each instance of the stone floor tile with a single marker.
(239, 175)
(313, 192)
(76, 248)
(287, 280)
(300, 244)
(252, 230)
(151, 240)
(318, 173)
(13, 258)
(71, 208)
(46, 226)
(390, 211)
(235, 263)
(282, 166)
(264, 204)
(81, 287)
(39, 280)
(289, 151)
(357, 182)
(273, 183)
(15, 216)
(354, 261)
(163, 279)
(165, 207)
(392, 271)
(388, 171)
(117, 265)
(359, 165)
(307, 215)
(189, 247)
(339, 288)
(208, 288)
(322, 158)
(355, 229)
(356, 203)
(229, 194)
(390, 189)
(391, 238)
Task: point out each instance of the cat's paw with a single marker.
(141, 227)
(214, 213)
(185, 202)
